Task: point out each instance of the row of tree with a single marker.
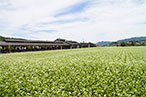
(132, 44)
(7, 49)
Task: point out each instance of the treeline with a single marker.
(131, 43)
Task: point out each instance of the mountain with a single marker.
(104, 43)
(3, 38)
(133, 39)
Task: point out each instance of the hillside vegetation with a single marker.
(133, 39)
(87, 72)
(3, 38)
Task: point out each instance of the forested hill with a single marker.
(3, 38)
(104, 43)
(133, 39)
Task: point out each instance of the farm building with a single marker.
(16, 45)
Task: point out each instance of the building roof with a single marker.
(32, 44)
(59, 39)
(27, 41)
(57, 42)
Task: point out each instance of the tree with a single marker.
(29, 47)
(143, 44)
(124, 44)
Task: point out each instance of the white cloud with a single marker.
(102, 19)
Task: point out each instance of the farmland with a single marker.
(107, 71)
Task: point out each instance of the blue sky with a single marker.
(88, 20)
(75, 8)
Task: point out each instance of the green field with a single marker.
(107, 71)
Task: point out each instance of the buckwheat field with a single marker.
(89, 72)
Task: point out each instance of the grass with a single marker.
(109, 71)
